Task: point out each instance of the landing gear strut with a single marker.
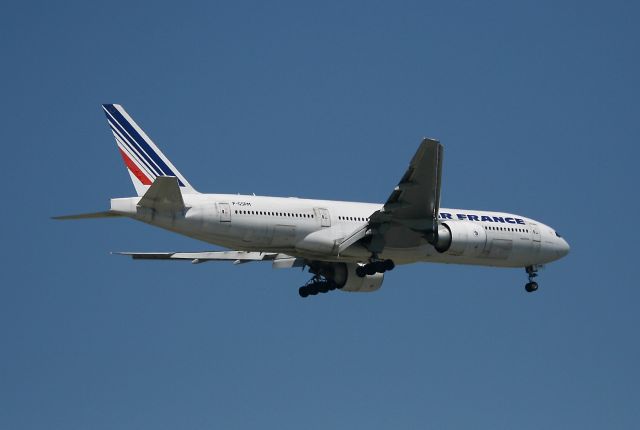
(531, 286)
(316, 285)
(376, 266)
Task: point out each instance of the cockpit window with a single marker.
(558, 234)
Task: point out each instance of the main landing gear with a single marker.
(531, 286)
(316, 285)
(376, 266)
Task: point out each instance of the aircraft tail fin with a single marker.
(144, 160)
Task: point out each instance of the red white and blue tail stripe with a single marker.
(142, 157)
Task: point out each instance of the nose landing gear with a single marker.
(531, 286)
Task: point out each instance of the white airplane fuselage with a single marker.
(311, 229)
(347, 246)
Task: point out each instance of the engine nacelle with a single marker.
(344, 275)
(464, 238)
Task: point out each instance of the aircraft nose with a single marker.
(563, 248)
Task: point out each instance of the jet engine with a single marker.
(465, 238)
(345, 278)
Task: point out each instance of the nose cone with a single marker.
(563, 247)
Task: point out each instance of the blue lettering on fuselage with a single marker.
(483, 218)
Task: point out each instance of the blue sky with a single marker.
(536, 104)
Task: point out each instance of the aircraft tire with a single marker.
(530, 287)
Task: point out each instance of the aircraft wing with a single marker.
(280, 261)
(411, 211)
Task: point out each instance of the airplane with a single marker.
(346, 246)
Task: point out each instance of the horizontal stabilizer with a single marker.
(200, 257)
(92, 215)
(163, 195)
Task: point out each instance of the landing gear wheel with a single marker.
(370, 269)
(388, 265)
(361, 271)
(532, 272)
(303, 291)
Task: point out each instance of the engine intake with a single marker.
(346, 279)
(461, 238)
